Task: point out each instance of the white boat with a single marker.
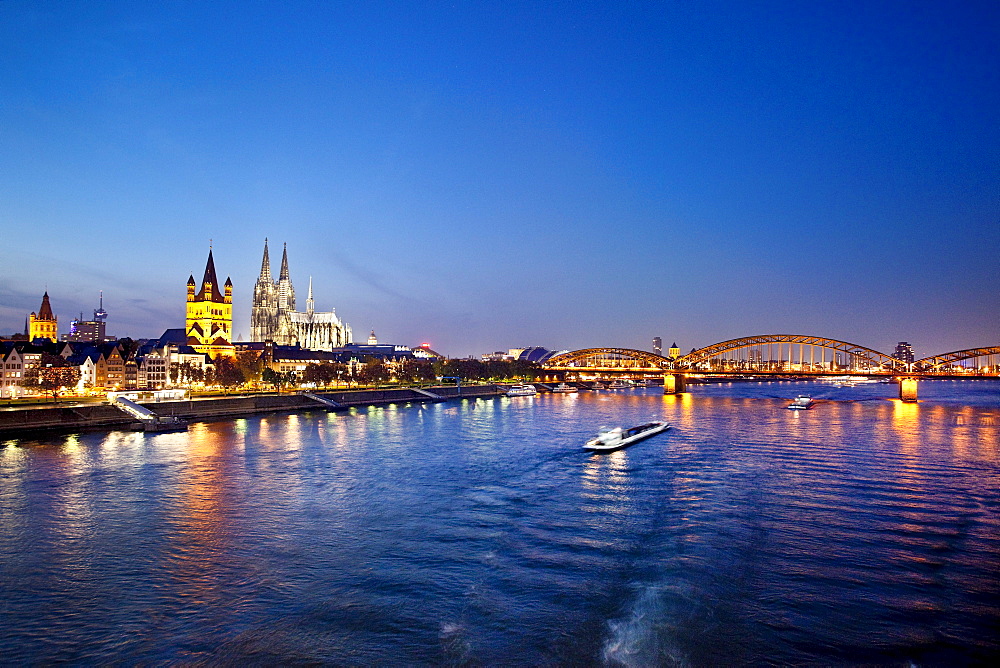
(615, 438)
(598, 385)
(521, 391)
(643, 382)
(563, 387)
(618, 385)
(801, 403)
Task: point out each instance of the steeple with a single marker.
(285, 290)
(45, 312)
(265, 265)
(284, 264)
(210, 283)
(310, 305)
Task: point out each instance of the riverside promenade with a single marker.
(76, 417)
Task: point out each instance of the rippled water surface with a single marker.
(478, 532)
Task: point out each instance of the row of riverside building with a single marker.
(282, 337)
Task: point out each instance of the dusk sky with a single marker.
(486, 176)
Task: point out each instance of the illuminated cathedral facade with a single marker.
(273, 316)
(209, 321)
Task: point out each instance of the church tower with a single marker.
(273, 316)
(209, 322)
(286, 293)
(264, 313)
(43, 325)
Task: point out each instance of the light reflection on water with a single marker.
(478, 531)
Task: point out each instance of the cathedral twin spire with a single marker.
(273, 316)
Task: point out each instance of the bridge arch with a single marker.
(593, 355)
(703, 355)
(935, 362)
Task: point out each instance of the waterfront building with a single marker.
(43, 324)
(183, 364)
(903, 352)
(674, 352)
(658, 345)
(17, 359)
(110, 368)
(209, 322)
(273, 316)
(151, 371)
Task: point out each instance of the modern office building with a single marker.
(903, 352)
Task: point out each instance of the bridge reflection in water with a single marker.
(774, 355)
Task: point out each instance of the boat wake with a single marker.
(648, 636)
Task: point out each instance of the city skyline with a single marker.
(482, 178)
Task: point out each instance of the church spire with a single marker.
(45, 312)
(210, 283)
(284, 264)
(265, 265)
(310, 304)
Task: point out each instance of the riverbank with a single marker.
(104, 416)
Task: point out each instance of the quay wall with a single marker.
(104, 416)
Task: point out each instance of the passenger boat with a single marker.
(618, 385)
(643, 382)
(563, 387)
(598, 385)
(615, 438)
(521, 391)
(801, 403)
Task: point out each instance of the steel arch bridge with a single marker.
(593, 358)
(861, 353)
(937, 362)
(623, 360)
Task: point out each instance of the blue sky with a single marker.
(484, 176)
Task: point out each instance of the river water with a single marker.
(478, 532)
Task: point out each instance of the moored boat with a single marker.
(618, 385)
(521, 391)
(165, 423)
(615, 438)
(563, 387)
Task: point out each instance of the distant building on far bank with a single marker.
(273, 316)
(44, 324)
(658, 345)
(93, 331)
(674, 352)
(904, 352)
(532, 354)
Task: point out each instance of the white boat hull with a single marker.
(605, 444)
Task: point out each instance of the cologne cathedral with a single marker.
(274, 318)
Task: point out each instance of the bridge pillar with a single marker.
(673, 383)
(908, 388)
